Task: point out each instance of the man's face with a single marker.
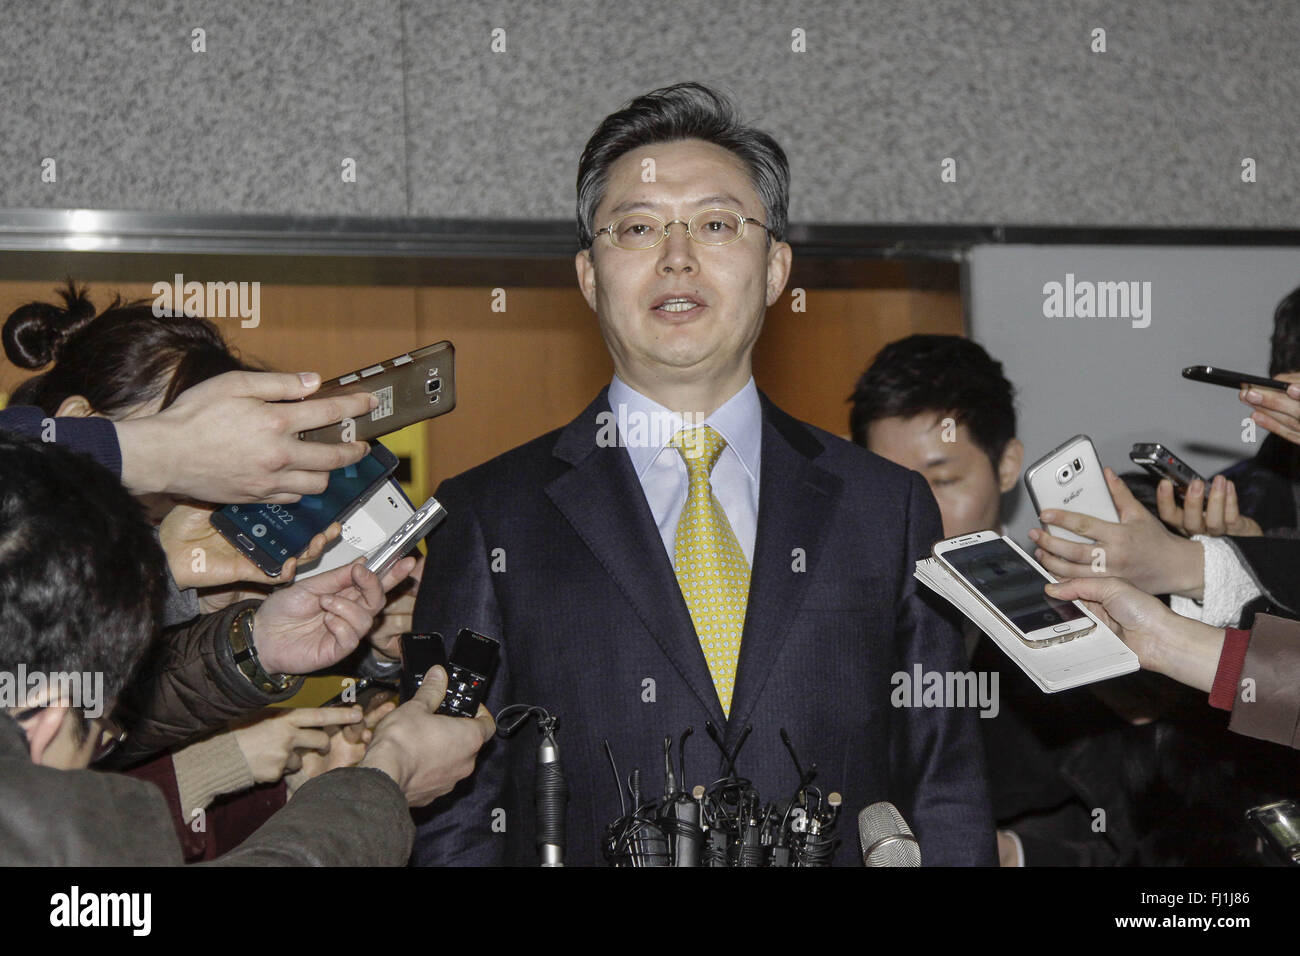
(731, 286)
(965, 484)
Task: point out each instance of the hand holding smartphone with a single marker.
(1069, 478)
(271, 534)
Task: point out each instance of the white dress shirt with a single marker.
(645, 427)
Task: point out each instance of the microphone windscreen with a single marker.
(886, 838)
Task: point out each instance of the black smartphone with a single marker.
(419, 653)
(1214, 375)
(473, 663)
(269, 535)
(1161, 462)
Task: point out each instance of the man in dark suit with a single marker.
(684, 551)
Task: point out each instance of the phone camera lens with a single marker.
(1063, 474)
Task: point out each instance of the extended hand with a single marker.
(318, 621)
(345, 749)
(271, 745)
(426, 753)
(1137, 547)
(1274, 411)
(1215, 515)
(1165, 642)
(234, 439)
(199, 557)
(396, 616)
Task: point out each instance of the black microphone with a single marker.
(551, 792)
(887, 840)
(650, 843)
(682, 811)
(686, 845)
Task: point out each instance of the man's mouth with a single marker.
(678, 305)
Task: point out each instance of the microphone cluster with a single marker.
(726, 824)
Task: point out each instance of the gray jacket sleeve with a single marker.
(52, 817)
(352, 816)
(348, 817)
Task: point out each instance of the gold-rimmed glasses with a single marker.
(709, 227)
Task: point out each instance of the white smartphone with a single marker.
(1010, 584)
(406, 537)
(383, 512)
(1069, 478)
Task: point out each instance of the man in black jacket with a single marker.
(81, 583)
(684, 552)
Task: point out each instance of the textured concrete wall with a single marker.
(1043, 130)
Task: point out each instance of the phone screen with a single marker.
(1011, 584)
(284, 531)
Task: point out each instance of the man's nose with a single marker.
(678, 249)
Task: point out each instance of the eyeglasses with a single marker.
(709, 227)
(109, 730)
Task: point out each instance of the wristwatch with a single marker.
(241, 644)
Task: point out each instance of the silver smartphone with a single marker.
(366, 530)
(407, 536)
(1010, 584)
(1069, 478)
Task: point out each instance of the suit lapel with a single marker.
(796, 498)
(602, 499)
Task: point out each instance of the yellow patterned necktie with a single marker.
(710, 565)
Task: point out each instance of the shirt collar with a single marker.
(739, 420)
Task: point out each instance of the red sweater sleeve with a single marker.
(1223, 694)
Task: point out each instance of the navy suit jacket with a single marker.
(552, 549)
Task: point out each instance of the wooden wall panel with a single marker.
(519, 373)
(531, 368)
(328, 329)
(808, 362)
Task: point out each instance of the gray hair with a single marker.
(682, 111)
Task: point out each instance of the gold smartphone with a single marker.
(410, 388)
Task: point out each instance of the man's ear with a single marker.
(42, 728)
(1013, 457)
(779, 258)
(74, 406)
(586, 276)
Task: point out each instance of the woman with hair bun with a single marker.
(123, 363)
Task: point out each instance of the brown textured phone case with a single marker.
(410, 389)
